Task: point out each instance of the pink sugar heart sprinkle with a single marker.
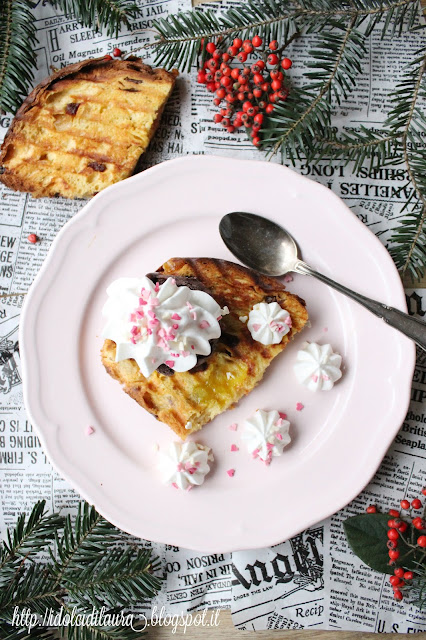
(176, 316)
(282, 415)
(90, 430)
(256, 327)
(175, 327)
(279, 436)
(269, 446)
(155, 302)
(157, 286)
(315, 378)
(219, 318)
(175, 485)
(231, 473)
(233, 426)
(185, 354)
(288, 278)
(194, 315)
(288, 321)
(179, 466)
(279, 422)
(189, 305)
(170, 363)
(204, 324)
(255, 453)
(299, 406)
(190, 487)
(325, 377)
(234, 447)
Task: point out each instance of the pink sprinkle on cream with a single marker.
(157, 287)
(279, 436)
(279, 422)
(219, 318)
(315, 378)
(282, 415)
(170, 363)
(234, 447)
(175, 327)
(299, 406)
(90, 430)
(325, 377)
(231, 473)
(255, 453)
(179, 466)
(269, 446)
(176, 316)
(288, 321)
(175, 485)
(233, 426)
(256, 327)
(204, 324)
(288, 278)
(194, 315)
(189, 305)
(189, 487)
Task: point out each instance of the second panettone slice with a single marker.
(84, 127)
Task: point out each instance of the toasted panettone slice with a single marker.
(84, 127)
(186, 401)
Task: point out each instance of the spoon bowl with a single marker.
(266, 247)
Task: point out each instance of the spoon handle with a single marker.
(409, 326)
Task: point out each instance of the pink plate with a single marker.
(338, 439)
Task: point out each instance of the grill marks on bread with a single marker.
(85, 127)
(237, 363)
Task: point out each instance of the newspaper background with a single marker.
(311, 581)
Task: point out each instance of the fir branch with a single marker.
(18, 41)
(27, 538)
(11, 632)
(109, 14)
(179, 36)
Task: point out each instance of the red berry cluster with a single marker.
(116, 53)
(247, 91)
(396, 528)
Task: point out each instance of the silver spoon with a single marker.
(266, 247)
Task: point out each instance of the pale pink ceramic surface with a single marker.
(339, 438)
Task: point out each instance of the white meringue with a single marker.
(266, 434)
(185, 464)
(317, 366)
(268, 323)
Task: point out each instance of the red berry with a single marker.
(201, 77)
(421, 541)
(256, 141)
(405, 504)
(394, 513)
(246, 71)
(230, 129)
(209, 76)
(242, 56)
(238, 43)
(273, 46)
(402, 527)
(416, 504)
(258, 118)
(277, 75)
(226, 81)
(257, 93)
(210, 47)
(258, 78)
(265, 87)
(257, 41)
(250, 96)
(273, 59)
(395, 581)
(276, 85)
(272, 97)
(247, 46)
(232, 52)
(393, 534)
(210, 86)
(32, 238)
(399, 572)
(283, 94)
(107, 57)
(269, 108)
(237, 123)
(230, 98)
(247, 105)
(226, 122)
(417, 523)
(286, 63)
(226, 57)
(213, 64)
(391, 523)
(217, 54)
(424, 491)
(218, 118)
(116, 52)
(241, 96)
(223, 112)
(408, 575)
(393, 554)
(217, 101)
(242, 79)
(251, 111)
(397, 594)
(235, 73)
(227, 71)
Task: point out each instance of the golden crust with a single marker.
(84, 127)
(198, 397)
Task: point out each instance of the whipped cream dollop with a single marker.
(160, 324)
(268, 323)
(185, 464)
(317, 366)
(266, 434)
